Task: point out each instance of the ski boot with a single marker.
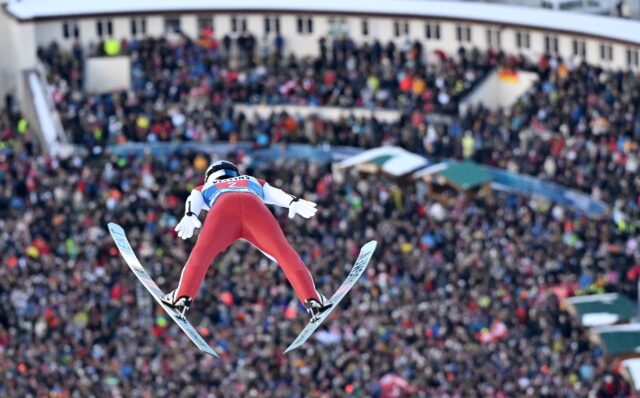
(181, 304)
(315, 308)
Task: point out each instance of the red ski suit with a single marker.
(238, 211)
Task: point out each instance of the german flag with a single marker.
(508, 75)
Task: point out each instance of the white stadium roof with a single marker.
(561, 21)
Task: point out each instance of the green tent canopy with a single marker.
(392, 160)
(601, 309)
(462, 175)
(381, 160)
(618, 339)
(466, 175)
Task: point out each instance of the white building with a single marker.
(440, 25)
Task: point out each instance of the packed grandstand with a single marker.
(460, 301)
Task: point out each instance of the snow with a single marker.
(630, 327)
(599, 319)
(605, 298)
(633, 367)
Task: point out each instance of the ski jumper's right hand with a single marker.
(187, 225)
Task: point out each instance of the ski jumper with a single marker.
(237, 211)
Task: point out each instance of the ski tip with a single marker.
(113, 225)
(369, 246)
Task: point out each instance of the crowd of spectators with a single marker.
(460, 300)
(186, 91)
(578, 126)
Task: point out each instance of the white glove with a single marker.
(302, 207)
(187, 225)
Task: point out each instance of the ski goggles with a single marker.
(221, 174)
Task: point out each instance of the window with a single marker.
(571, 5)
(432, 31)
(205, 22)
(267, 25)
(172, 24)
(365, 27)
(338, 26)
(493, 37)
(606, 52)
(104, 27)
(138, 26)
(550, 44)
(305, 25)
(238, 24)
(632, 57)
(579, 48)
(70, 29)
(463, 33)
(400, 28)
(523, 39)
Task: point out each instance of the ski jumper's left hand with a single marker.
(302, 207)
(188, 224)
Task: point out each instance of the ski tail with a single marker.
(120, 238)
(358, 269)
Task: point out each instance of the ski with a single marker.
(120, 238)
(358, 268)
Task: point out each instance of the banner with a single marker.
(522, 184)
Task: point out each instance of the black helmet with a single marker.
(221, 170)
